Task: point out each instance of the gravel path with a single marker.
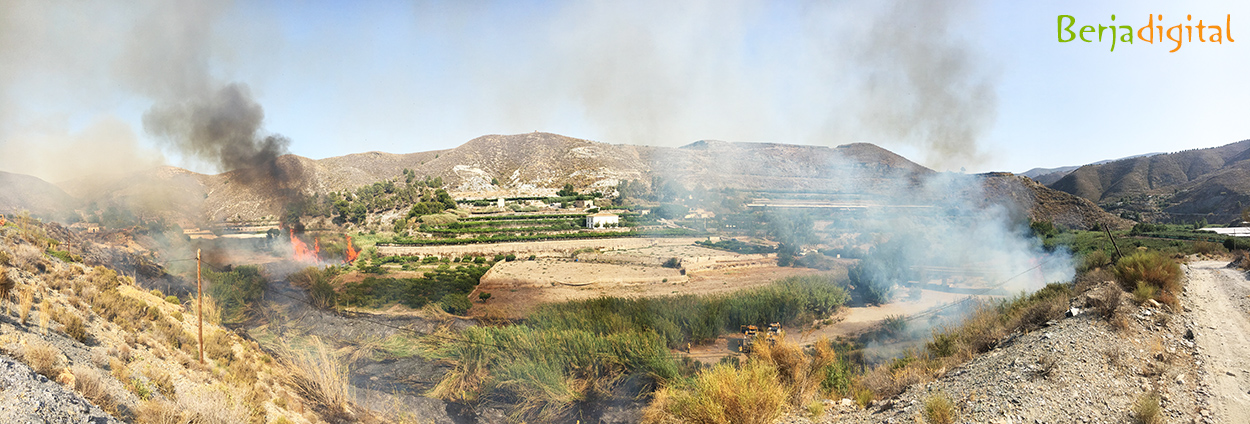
(1220, 307)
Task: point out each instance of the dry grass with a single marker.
(27, 300)
(73, 326)
(87, 382)
(724, 394)
(939, 409)
(1146, 409)
(212, 311)
(320, 376)
(800, 372)
(213, 405)
(42, 357)
(45, 314)
(163, 383)
(161, 412)
(6, 285)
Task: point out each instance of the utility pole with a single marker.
(199, 289)
(1118, 255)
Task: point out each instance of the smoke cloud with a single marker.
(223, 128)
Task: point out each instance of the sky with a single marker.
(954, 85)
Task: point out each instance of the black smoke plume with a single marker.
(223, 128)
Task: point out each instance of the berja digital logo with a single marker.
(1153, 30)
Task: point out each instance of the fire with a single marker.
(351, 253)
(302, 253)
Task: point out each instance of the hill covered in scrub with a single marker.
(520, 165)
(81, 342)
(1188, 186)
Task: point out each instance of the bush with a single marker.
(1144, 291)
(455, 303)
(87, 382)
(27, 299)
(1152, 268)
(697, 319)
(42, 357)
(510, 257)
(172, 300)
(545, 370)
(1146, 409)
(236, 292)
(750, 395)
(1094, 259)
(938, 409)
(74, 327)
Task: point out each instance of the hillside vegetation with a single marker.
(1176, 187)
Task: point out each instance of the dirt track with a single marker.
(1219, 310)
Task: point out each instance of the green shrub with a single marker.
(546, 371)
(172, 300)
(1152, 268)
(455, 303)
(236, 292)
(687, 318)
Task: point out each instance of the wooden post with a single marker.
(199, 289)
(1118, 255)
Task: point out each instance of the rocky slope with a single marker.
(1043, 204)
(1093, 368)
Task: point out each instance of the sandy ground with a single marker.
(1220, 312)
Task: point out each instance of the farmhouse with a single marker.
(602, 219)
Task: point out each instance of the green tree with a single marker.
(567, 191)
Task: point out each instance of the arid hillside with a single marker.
(1043, 204)
(1177, 187)
(531, 164)
(26, 193)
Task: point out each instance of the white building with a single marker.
(602, 219)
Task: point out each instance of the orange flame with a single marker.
(351, 253)
(302, 253)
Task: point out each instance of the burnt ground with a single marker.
(391, 384)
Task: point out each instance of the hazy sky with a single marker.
(980, 85)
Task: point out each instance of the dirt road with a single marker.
(1220, 310)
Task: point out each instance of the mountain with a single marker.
(1175, 187)
(24, 193)
(538, 164)
(1049, 175)
(1040, 203)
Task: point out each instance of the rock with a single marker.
(1073, 312)
(1189, 333)
(1180, 379)
(846, 403)
(1230, 373)
(1152, 303)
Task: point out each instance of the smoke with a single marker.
(176, 56)
(914, 78)
(897, 74)
(223, 128)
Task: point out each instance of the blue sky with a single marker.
(978, 85)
